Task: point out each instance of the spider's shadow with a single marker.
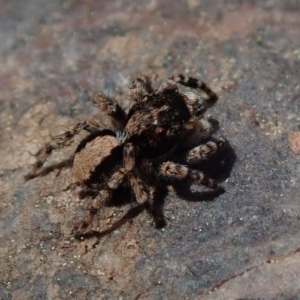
(130, 215)
(122, 197)
(66, 163)
(218, 168)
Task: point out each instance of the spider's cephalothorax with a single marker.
(138, 147)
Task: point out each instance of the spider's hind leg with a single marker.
(60, 141)
(101, 199)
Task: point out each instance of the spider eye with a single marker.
(160, 130)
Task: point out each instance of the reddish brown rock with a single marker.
(55, 54)
(294, 140)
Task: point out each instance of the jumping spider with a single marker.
(138, 148)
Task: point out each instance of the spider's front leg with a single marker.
(197, 84)
(60, 141)
(196, 103)
(111, 108)
(140, 87)
(203, 129)
(115, 181)
(171, 170)
(203, 151)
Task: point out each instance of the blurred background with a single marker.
(242, 245)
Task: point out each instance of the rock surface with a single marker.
(242, 245)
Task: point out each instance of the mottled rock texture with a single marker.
(243, 244)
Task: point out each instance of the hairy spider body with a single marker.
(157, 122)
(138, 147)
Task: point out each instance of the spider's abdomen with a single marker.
(95, 158)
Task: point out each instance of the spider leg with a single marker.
(140, 87)
(196, 103)
(103, 197)
(197, 84)
(203, 151)
(111, 108)
(144, 193)
(60, 141)
(171, 170)
(203, 129)
(140, 189)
